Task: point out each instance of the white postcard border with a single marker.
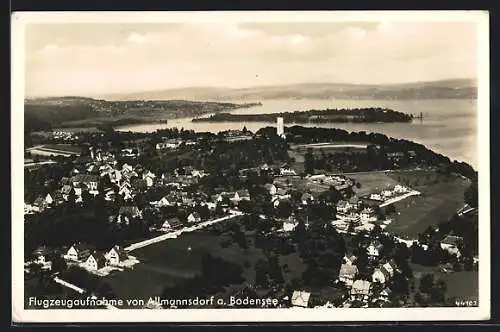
(19, 314)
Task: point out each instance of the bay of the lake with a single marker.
(448, 127)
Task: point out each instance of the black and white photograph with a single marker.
(250, 166)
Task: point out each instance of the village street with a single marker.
(175, 234)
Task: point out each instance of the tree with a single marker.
(471, 195)
(426, 283)
(284, 209)
(468, 263)
(104, 290)
(422, 299)
(275, 271)
(390, 209)
(58, 264)
(332, 195)
(400, 284)
(261, 273)
(438, 291)
(309, 162)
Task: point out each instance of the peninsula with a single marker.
(362, 115)
(82, 112)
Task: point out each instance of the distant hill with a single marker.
(44, 113)
(445, 89)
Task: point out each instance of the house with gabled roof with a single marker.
(40, 254)
(127, 168)
(65, 190)
(149, 177)
(39, 204)
(166, 227)
(344, 206)
(90, 181)
(105, 169)
(164, 201)
(48, 199)
(285, 170)
(109, 195)
(347, 273)
(271, 188)
(78, 252)
(307, 198)
(289, 225)
(126, 213)
(116, 255)
(451, 244)
(374, 248)
(300, 299)
(360, 289)
(399, 189)
(385, 272)
(95, 261)
(171, 224)
(198, 173)
(367, 215)
(125, 190)
(241, 195)
(194, 217)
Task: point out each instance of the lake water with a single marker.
(449, 126)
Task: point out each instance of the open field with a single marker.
(162, 264)
(168, 263)
(63, 148)
(328, 148)
(437, 203)
(297, 151)
(303, 184)
(372, 182)
(299, 159)
(463, 285)
(332, 145)
(55, 149)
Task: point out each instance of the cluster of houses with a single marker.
(124, 182)
(340, 183)
(354, 216)
(387, 194)
(65, 136)
(86, 256)
(173, 144)
(93, 260)
(237, 135)
(364, 291)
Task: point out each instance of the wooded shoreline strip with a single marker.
(359, 115)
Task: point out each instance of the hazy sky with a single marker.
(87, 59)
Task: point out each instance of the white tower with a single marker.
(280, 130)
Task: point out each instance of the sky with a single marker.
(89, 59)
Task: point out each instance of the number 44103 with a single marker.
(466, 303)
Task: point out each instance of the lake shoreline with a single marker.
(448, 126)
